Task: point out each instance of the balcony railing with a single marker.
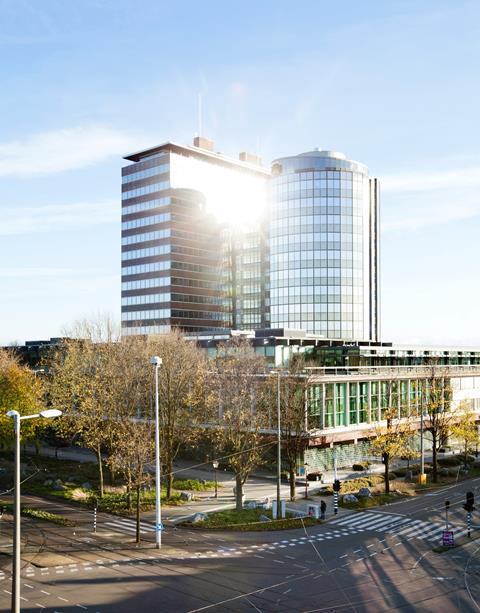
(400, 372)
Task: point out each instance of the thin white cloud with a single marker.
(433, 180)
(432, 216)
(34, 272)
(61, 150)
(50, 218)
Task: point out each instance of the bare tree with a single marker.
(239, 395)
(83, 383)
(130, 457)
(435, 403)
(182, 403)
(293, 419)
(391, 441)
(465, 429)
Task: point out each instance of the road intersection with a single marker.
(375, 560)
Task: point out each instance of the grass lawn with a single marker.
(38, 514)
(249, 520)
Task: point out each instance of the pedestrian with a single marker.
(323, 508)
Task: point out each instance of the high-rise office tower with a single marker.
(177, 202)
(324, 245)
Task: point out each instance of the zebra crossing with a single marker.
(128, 525)
(398, 525)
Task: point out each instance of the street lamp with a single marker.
(157, 362)
(17, 418)
(215, 466)
(279, 448)
(306, 480)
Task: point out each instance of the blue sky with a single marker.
(392, 84)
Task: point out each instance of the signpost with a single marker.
(447, 505)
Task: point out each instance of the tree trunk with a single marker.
(434, 458)
(129, 491)
(465, 455)
(100, 470)
(137, 527)
(387, 471)
(238, 492)
(291, 476)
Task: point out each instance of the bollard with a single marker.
(95, 520)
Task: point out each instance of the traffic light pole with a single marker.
(469, 507)
(336, 488)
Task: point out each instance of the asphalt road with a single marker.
(380, 560)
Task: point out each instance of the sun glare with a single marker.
(233, 196)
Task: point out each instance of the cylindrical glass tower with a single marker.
(324, 242)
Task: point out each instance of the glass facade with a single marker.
(359, 403)
(324, 246)
(249, 263)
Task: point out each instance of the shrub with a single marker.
(360, 467)
(451, 460)
(193, 484)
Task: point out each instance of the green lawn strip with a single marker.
(38, 514)
(194, 485)
(249, 520)
(116, 504)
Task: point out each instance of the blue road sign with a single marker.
(447, 538)
(159, 527)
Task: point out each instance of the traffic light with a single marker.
(468, 506)
(337, 485)
(384, 458)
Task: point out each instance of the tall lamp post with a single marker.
(17, 545)
(157, 362)
(279, 449)
(215, 467)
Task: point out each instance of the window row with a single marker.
(146, 236)
(139, 269)
(312, 220)
(146, 205)
(303, 308)
(145, 253)
(146, 221)
(146, 299)
(309, 206)
(146, 283)
(152, 314)
(199, 283)
(145, 174)
(321, 174)
(157, 329)
(146, 189)
(210, 315)
(334, 258)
